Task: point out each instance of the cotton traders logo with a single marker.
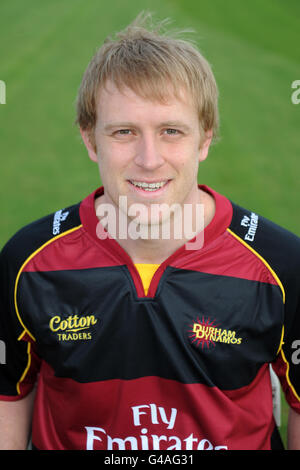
(205, 333)
(71, 328)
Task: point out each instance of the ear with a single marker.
(90, 146)
(203, 151)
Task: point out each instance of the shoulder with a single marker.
(34, 235)
(276, 244)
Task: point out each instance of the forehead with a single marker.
(114, 102)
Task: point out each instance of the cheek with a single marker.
(106, 160)
(187, 164)
(112, 171)
(114, 156)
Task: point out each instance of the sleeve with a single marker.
(281, 250)
(19, 359)
(19, 363)
(287, 363)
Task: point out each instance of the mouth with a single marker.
(153, 186)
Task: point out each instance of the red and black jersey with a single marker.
(184, 367)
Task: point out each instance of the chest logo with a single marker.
(73, 328)
(206, 333)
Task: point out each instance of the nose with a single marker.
(148, 155)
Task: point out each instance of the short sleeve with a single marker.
(19, 363)
(287, 364)
(280, 250)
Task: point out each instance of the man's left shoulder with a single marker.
(277, 245)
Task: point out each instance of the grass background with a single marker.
(44, 49)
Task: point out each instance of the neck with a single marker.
(154, 244)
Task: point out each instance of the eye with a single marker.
(123, 132)
(172, 131)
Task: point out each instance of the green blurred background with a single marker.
(254, 51)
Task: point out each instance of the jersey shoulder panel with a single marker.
(279, 247)
(18, 373)
(34, 235)
(21, 248)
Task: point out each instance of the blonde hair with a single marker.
(154, 64)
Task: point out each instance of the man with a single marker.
(138, 334)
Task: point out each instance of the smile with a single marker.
(148, 186)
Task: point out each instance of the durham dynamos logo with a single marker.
(71, 328)
(205, 332)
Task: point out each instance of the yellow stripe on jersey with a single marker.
(16, 304)
(20, 272)
(26, 368)
(271, 271)
(262, 259)
(287, 375)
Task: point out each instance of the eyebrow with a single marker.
(169, 124)
(113, 125)
(176, 124)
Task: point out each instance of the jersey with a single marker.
(182, 366)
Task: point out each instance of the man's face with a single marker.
(146, 150)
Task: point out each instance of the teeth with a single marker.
(148, 186)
